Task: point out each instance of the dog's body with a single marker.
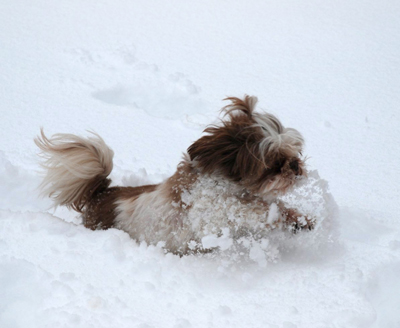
(226, 184)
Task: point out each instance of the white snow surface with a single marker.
(148, 76)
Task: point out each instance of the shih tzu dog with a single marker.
(226, 185)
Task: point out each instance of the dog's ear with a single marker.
(230, 149)
(217, 152)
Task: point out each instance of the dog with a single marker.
(227, 184)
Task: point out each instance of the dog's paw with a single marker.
(295, 221)
(303, 223)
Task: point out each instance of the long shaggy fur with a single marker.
(252, 149)
(76, 168)
(245, 162)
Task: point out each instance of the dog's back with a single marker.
(101, 210)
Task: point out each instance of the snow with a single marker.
(148, 76)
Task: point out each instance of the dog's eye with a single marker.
(279, 165)
(294, 165)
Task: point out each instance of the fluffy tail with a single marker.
(76, 168)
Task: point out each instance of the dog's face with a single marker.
(251, 149)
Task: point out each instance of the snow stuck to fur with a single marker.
(237, 232)
(254, 243)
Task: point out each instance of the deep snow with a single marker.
(148, 76)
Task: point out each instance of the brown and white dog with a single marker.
(226, 184)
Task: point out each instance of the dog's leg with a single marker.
(295, 221)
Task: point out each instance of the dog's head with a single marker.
(251, 149)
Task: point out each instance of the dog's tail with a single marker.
(76, 168)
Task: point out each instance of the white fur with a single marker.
(278, 137)
(71, 162)
(153, 218)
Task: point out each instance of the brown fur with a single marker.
(100, 211)
(184, 177)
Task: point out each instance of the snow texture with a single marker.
(148, 76)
